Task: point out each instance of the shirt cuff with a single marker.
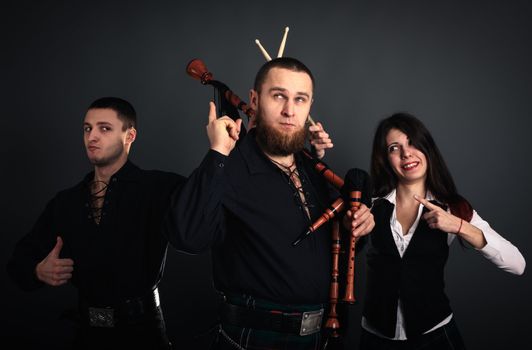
(214, 160)
(493, 244)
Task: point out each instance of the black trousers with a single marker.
(446, 337)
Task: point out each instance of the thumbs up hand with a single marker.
(53, 270)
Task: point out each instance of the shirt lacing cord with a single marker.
(96, 199)
(295, 182)
(301, 197)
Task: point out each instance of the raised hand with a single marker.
(222, 132)
(53, 270)
(319, 139)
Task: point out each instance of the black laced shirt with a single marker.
(248, 211)
(121, 257)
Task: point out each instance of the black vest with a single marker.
(416, 278)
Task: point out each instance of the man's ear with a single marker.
(131, 135)
(253, 99)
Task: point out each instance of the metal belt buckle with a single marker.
(100, 317)
(311, 322)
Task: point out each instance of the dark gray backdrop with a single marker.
(463, 67)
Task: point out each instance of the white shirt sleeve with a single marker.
(498, 250)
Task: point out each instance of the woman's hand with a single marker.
(440, 219)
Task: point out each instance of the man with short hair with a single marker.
(105, 236)
(248, 201)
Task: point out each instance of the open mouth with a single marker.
(410, 166)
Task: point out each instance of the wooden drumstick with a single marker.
(311, 120)
(263, 50)
(283, 43)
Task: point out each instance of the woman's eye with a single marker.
(393, 148)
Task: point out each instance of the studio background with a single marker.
(463, 67)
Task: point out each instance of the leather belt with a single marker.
(128, 312)
(299, 323)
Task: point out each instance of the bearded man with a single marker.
(248, 201)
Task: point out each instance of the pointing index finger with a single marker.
(212, 112)
(425, 202)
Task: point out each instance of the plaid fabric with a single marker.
(233, 337)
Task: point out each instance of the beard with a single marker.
(277, 143)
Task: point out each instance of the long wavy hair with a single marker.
(438, 181)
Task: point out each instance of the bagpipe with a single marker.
(354, 189)
(227, 102)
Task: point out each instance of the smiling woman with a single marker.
(418, 213)
(408, 163)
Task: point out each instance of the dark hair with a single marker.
(280, 62)
(439, 180)
(124, 110)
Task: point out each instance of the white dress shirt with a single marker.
(498, 250)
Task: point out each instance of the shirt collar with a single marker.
(127, 171)
(392, 196)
